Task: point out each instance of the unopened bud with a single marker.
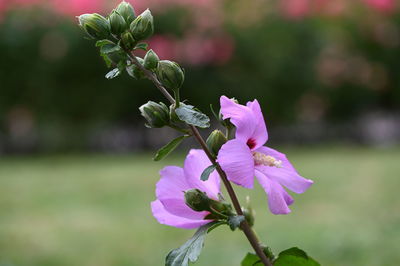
(135, 71)
(156, 114)
(117, 23)
(95, 25)
(197, 200)
(170, 74)
(151, 60)
(126, 11)
(142, 27)
(215, 141)
(127, 40)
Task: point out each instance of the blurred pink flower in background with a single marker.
(382, 5)
(295, 8)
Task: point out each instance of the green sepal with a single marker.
(168, 148)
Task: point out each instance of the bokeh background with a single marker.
(76, 175)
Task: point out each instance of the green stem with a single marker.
(177, 98)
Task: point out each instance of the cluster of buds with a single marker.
(121, 23)
(125, 30)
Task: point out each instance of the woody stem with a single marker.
(248, 231)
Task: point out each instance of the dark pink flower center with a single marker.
(251, 143)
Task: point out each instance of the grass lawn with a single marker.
(94, 210)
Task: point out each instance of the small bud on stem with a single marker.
(197, 200)
(117, 23)
(126, 11)
(95, 25)
(142, 27)
(151, 60)
(156, 114)
(215, 141)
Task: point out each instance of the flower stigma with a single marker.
(267, 160)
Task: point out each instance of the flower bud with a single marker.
(127, 40)
(156, 114)
(134, 71)
(117, 23)
(126, 11)
(170, 74)
(197, 200)
(215, 141)
(142, 27)
(95, 25)
(151, 60)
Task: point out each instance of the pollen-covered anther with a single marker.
(267, 160)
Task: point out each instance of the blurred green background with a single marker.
(76, 176)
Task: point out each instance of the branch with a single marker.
(248, 231)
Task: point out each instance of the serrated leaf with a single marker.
(190, 251)
(251, 260)
(168, 148)
(142, 45)
(235, 221)
(295, 257)
(206, 173)
(113, 73)
(192, 116)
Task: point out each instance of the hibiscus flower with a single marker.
(244, 157)
(170, 207)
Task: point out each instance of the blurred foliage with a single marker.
(313, 68)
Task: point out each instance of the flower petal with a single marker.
(286, 175)
(164, 217)
(195, 163)
(241, 116)
(278, 199)
(170, 191)
(172, 183)
(260, 132)
(237, 161)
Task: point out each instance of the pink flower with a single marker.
(245, 157)
(170, 207)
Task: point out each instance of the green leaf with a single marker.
(192, 117)
(294, 257)
(113, 73)
(100, 43)
(168, 148)
(142, 45)
(206, 173)
(235, 221)
(106, 59)
(109, 48)
(190, 251)
(251, 260)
